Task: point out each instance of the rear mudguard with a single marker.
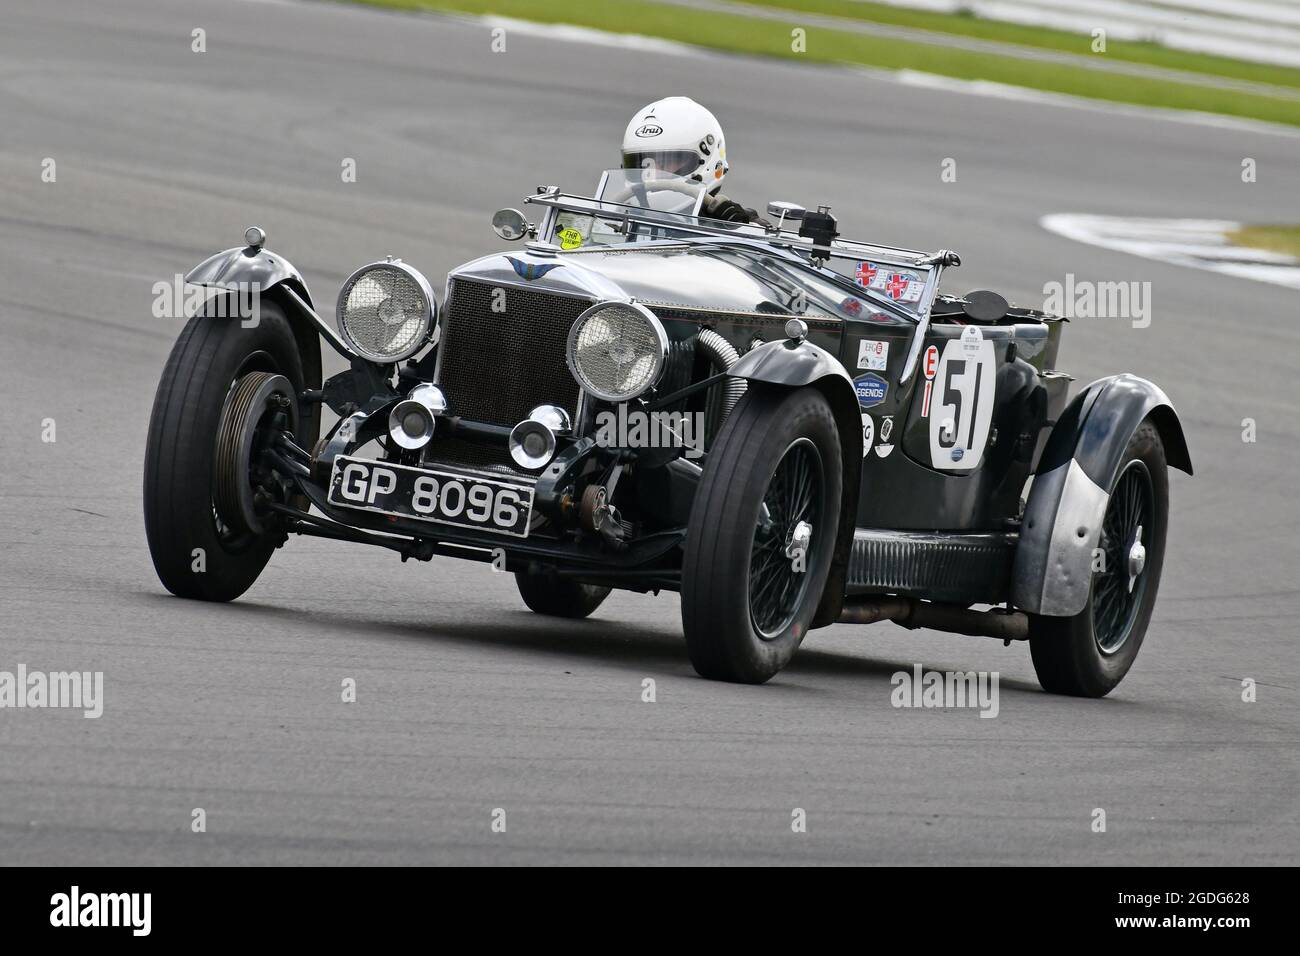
(1082, 458)
(790, 364)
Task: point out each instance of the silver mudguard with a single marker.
(248, 265)
(1083, 457)
(267, 271)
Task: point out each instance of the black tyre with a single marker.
(1088, 654)
(196, 553)
(776, 465)
(559, 597)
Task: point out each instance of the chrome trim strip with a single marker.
(922, 324)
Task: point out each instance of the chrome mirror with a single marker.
(785, 210)
(510, 224)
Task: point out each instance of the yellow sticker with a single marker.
(569, 238)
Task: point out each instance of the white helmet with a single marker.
(679, 136)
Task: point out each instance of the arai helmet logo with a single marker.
(648, 130)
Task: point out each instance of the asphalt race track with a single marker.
(467, 702)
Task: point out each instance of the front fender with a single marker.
(273, 275)
(248, 265)
(790, 364)
(1083, 457)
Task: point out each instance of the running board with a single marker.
(945, 567)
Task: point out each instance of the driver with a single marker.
(679, 136)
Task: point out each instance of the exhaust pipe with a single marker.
(911, 613)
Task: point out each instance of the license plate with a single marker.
(446, 497)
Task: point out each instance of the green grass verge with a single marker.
(739, 34)
(1283, 239)
(967, 25)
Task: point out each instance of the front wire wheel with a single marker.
(199, 545)
(788, 514)
(761, 534)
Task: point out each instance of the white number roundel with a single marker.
(962, 407)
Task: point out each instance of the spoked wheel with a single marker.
(761, 535)
(1088, 654)
(785, 525)
(219, 392)
(1118, 597)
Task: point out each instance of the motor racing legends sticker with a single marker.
(886, 431)
(929, 365)
(868, 433)
(871, 389)
(963, 404)
(873, 354)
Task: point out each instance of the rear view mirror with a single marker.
(510, 224)
(785, 210)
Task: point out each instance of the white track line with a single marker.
(1195, 243)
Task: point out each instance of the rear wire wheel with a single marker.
(1088, 654)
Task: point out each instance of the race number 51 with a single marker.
(962, 408)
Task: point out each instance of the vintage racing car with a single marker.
(788, 427)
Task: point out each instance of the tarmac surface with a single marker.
(467, 702)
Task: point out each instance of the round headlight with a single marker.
(386, 311)
(617, 350)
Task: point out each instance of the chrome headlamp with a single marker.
(617, 350)
(386, 311)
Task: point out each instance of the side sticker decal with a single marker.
(871, 389)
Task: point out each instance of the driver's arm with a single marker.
(720, 207)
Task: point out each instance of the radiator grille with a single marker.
(496, 367)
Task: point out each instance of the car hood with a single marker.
(671, 275)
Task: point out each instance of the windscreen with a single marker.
(620, 189)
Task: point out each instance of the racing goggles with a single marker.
(675, 162)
